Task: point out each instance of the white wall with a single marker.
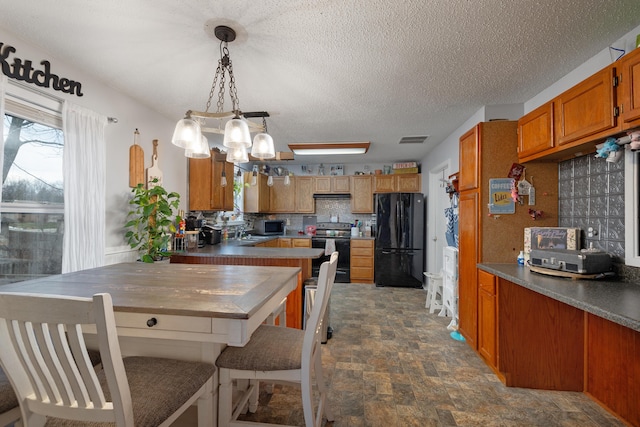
(105, 100)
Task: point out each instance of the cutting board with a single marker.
(136, 162)
(154, 171)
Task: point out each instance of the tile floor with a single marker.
(391, 363)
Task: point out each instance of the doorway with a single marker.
(436, 221)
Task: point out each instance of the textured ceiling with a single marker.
(331, 70)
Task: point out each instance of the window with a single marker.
(632, 208)
(32, 209)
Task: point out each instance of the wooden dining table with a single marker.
(183, 311)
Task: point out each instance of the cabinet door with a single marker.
(200, 175)
(487, 318)
(304, 186)
(467, 269)
(300, 243)
(469, 168)
(361, 194)
(256, 197)
(282, 197)
(339, 184)
(535, 131)
(409, 183)
(222, 197)
(384, 184)
(586, 109)
(322, 184)
(284, 242)
(630, 89)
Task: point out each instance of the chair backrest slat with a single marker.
(89, 390)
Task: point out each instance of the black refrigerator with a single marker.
(399, 249)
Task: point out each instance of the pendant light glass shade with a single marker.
(202, 151)
(236, 134)
(237, 155)
(263, 146)
(187, 134)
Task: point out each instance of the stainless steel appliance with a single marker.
(269, 227)
(399, 247)
(339, 233)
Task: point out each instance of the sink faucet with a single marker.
(239, 231)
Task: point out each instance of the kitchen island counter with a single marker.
(243, 249)
(240, 252)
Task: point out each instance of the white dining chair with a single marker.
(282, 355)
(44, 355)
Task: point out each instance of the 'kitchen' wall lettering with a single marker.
(20, 70)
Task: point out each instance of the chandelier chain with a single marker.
(232, 89)
(213, 87)
(221, 90)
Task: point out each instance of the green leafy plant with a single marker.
(151, 221)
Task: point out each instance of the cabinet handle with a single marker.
(152, 322)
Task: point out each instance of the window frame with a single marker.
(632, 207)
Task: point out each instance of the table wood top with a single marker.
(217, 291)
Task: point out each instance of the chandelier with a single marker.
(237, 130)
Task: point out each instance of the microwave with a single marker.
(269, 227)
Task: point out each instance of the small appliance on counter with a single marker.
(210, 235)
(585, 261)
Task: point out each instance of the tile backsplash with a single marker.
(591, 194)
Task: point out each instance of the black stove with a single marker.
(340, 234)
(333, 230)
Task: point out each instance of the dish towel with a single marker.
(329, 247)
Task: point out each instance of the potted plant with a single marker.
(151, 221)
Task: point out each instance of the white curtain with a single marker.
(84, 172)
(3, 90)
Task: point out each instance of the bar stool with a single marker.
(434, 291)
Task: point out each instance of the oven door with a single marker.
(343, 246)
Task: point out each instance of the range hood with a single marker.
(332, 196)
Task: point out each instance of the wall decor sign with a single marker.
(500, 201)
(23, 70)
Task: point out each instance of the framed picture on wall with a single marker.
(337, 170)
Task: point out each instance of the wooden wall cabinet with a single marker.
(282, 197)
(205, 191)
(586, 109)
(362, 260)
(574, 121)
(488, 318)
(629, 89)
(304, 201)
(535, 131)
(397, 183)
(469, 166)
(331, 184)
(361, 194)
(256, 197)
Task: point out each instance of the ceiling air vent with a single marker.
(413, 139)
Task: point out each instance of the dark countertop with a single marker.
(613, 300)
(245, 249)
